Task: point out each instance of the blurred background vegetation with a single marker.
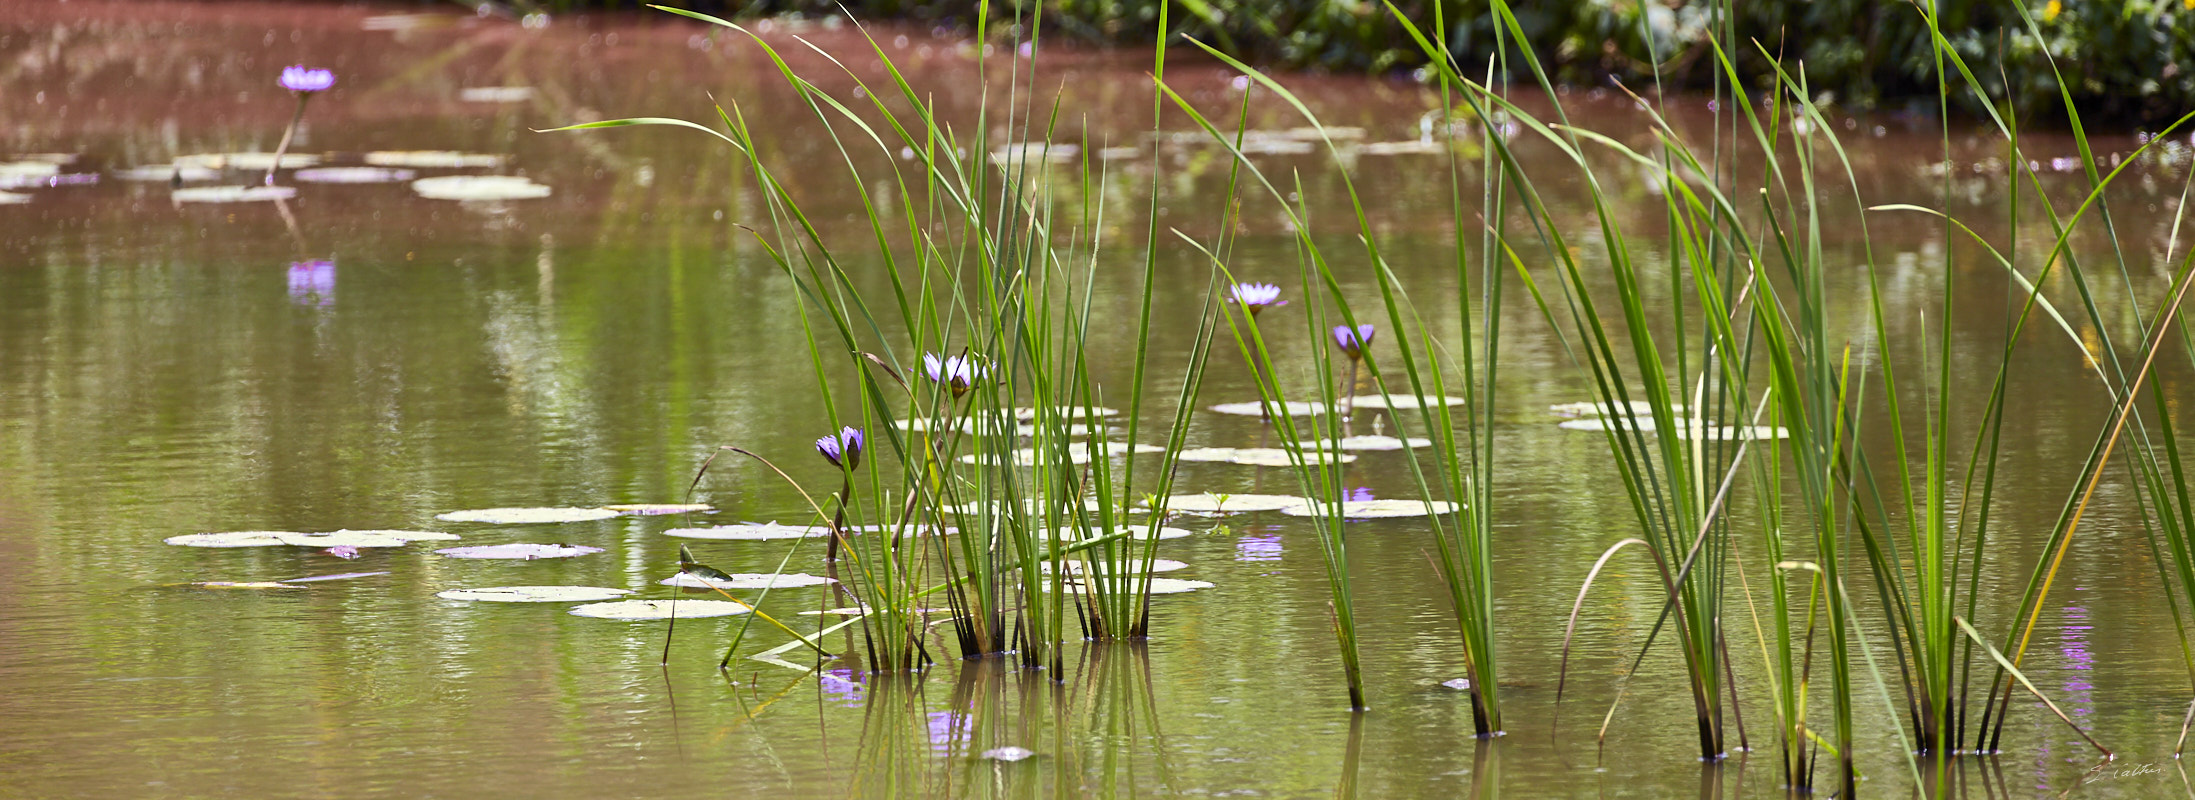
(2126, 62)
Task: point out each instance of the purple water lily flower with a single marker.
(958, 373)
(301, 78)
(1352, 341)
(1256, 297)
(842, 449)
(312, 283)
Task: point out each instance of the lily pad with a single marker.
(858, 611)
(1593, 408)
(522, 552)
(1009, 754)
(747, 580)
(496, 94)
(659, 509)
(534, 594)
(14, 198)
(1073, 429)
(341, 576)
(751, 532)
(250, 162)
(433, 159)
(1376, 509)
(243, 585)
(167, 172)
(232, 194)
(1158, 585)
(411, 536)
(919, 425)
(1292, 408)
(661, 609)
(1404, 148)
(1131, 567)
(1369, 442)
(1027, 414)
(1220, 503)
(1262, 456)
(296, 539)
(1077, 453)
(1405, 402)
(479, 187)
(1684, 431)
(526, 516)
(1134, 532)
(354, 175)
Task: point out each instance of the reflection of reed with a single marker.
(893, 758)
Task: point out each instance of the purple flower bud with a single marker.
(302, 79)
(842, 449)
(958, 373)
(1257, 297)
(1352, 341)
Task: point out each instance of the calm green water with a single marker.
(163, 371)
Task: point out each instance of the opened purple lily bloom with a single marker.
(1256, 297)
(1352, 341)
(301, 78)
(958, 373)
(842, 449)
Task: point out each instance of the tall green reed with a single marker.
(994, 286)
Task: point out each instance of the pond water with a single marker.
(365, 356)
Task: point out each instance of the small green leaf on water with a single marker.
(526, 516)
(534, 594)
(638, 610)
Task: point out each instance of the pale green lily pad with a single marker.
(14, 198)
(1134, 531)
(232, 194)
(659, 509)
(1403, 402)
(1131, 567)
(354, 175)
(1027, 414)
(1032, 507)
(1132, 583)
(1411, 147)
(918, 425)
(167, 172)
(410, 536)
(1073, 429)
(747, 580)
(433, 159)
(1292, 408)
(1262, 456)
(638, 610)
(1371, 443)
(751, 532)
(1220, 503)
(526, 516)
(251, 162)
(243, 585)
(519, 551)
(534, 594)
(1593, 408)
(857, 611)
(1689, 430)
(479, 187)
(496, 94)
(292, 539)
(1077, 453)
(1376, 509)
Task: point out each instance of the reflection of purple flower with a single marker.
(955, 372)
(1353, 341)
(2073, 648)
(303, 79)
(342, 551)
(843, 449)
(842, 685)
(1361, 494)
(947, 729)
(1261, 547)
(312, 283)
(1257, 297)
